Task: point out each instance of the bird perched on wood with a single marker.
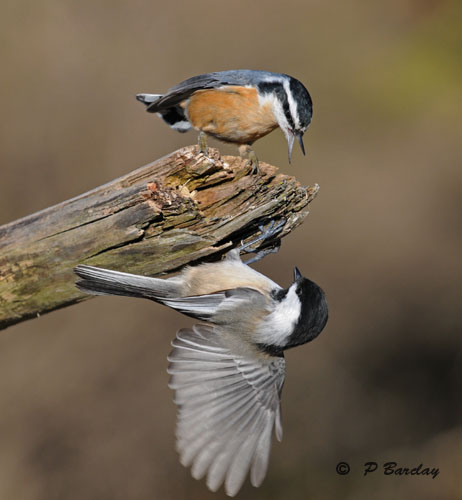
(228, 372)
(237, 106)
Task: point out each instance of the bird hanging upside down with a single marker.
(227, 371)
(237, 106)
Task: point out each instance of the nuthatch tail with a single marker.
(237, 106)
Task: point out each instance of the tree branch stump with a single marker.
(175, 211)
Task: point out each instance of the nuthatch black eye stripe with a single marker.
(303, 100)
(237, 106)
(277, 89)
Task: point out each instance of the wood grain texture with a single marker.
(176, 211)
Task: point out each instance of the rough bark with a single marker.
(175, 211)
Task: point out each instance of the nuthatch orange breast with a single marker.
(237, 106)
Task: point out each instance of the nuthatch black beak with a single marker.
(291, 139)
(300, 141)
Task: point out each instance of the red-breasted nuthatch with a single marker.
(227, 372)
(237, 106)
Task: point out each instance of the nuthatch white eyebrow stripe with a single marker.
(237, 106)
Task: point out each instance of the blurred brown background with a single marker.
(85, 408)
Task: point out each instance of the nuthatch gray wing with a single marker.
(228, 372)
(237, 106)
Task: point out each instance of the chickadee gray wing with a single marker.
(201, 307)
(216, 305)
(228, 406)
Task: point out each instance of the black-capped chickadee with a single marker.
(227, 373)
(237, 106)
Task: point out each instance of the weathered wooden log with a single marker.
(180, 209)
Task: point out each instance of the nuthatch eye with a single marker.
(228, 371)
(237, 106)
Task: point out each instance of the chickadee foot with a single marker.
(263, 253)
(266, 234)
(247, 152)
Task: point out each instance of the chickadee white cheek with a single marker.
(280, 324)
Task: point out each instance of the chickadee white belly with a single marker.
(228, 372)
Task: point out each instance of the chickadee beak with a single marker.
(291, 140)
(297, 274)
